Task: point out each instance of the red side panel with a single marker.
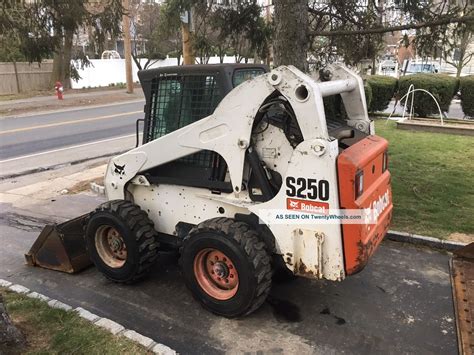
(361, 240)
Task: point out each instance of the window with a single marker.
(178, 100)
(241, 75)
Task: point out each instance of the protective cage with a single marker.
(179, 96)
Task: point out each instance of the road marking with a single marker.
(69, 122)
(66, 148)
(70, 109)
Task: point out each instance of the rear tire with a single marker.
(226, 267)
(121, 241)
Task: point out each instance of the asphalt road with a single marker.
(400, 303)
(23, 136)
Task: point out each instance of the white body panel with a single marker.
(310, 250)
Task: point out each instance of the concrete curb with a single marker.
(104, 323)
(431, 242)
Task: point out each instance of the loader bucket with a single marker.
(61, 247)
(462, 280)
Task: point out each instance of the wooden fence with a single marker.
(26, 77)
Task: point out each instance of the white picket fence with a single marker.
(104, 72)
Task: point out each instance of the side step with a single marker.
(61, 247)
(462, 280)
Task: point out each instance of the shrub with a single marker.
(383, 89)
(368, 94)
(467, 95)
(443, 87)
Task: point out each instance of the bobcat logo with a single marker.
(120, 170)
(294, 204)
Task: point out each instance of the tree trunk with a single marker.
(290, 45)
(10, 336)
(62, 61)
(67, 57)
(57, 65)
(465, 39)
(459, 69)
(137, 62)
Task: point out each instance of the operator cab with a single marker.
(181, 95)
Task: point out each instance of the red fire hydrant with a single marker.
(59, 90)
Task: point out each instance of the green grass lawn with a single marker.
(54, 331)
(432, 181)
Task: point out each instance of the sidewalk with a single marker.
(50, 103)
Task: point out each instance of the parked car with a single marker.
(415, 68)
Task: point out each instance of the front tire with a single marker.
(121, 241)
(226, 267)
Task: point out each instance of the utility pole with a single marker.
(188, 52)
(127, 46)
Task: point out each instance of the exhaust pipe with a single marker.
(61, 247)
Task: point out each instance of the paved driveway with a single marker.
(401, 303)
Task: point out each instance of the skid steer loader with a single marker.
(222, 146)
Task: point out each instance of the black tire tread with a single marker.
(250, 242)
(142, 227)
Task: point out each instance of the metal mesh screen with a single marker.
(241, 75)
(180, 99)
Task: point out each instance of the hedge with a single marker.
(383, 90)
(443, 87)
(369, 94)
(467, 95)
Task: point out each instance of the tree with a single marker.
(169, 29)
(243, 29)
(145, 19)
(290, 41)
(47, 27)
(348, 15)
(25, 31)
(353, 29)
(449, 40)
(67, 17)
(222, 29)
(455, 51)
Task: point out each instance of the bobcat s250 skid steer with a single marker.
(218, 151)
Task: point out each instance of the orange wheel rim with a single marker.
(216, 274)
(110, 246)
